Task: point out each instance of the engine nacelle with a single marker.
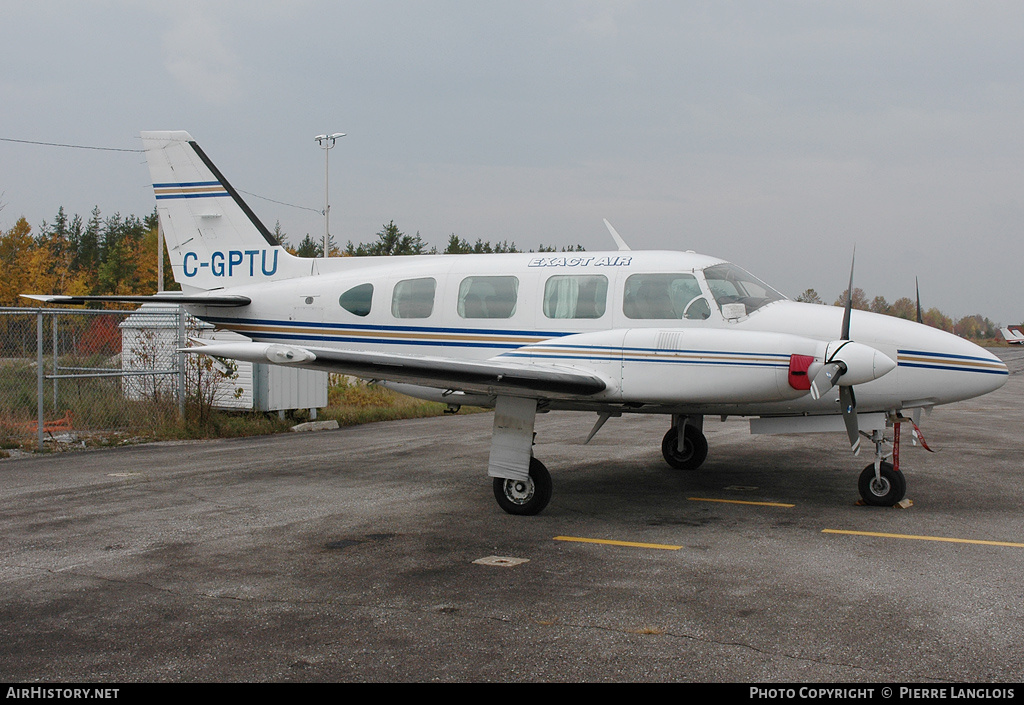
(682, 366)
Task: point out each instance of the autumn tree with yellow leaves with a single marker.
(114, 255)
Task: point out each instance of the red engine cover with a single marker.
(798, 366)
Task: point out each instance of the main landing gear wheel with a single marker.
(525, 497)
(884, 491)
(694, 452)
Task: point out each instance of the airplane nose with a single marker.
(999, 373)
(948, 368)
(989, 373)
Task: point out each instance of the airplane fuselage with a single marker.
(669, 332)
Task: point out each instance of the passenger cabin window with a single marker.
(488, 297)
(575, 296)
(664, 296)
(731, 284)
(413, 298)
(357, 300)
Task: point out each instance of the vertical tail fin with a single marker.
(213, 238)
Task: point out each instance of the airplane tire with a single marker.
(525, 498)
(695, 448)
(887, 491)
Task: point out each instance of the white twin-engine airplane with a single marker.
(673, 333)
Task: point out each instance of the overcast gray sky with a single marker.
(777, 135)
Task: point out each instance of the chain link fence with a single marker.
(69, 374)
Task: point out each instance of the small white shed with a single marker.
(150, 337)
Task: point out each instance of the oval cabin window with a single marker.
(357, 300)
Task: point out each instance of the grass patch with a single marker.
(103, 417)
(353, 402)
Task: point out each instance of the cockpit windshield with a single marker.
(733, 285)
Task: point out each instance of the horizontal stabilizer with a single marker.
(1012, 335)
(202, 300)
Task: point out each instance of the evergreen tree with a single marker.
(390, 241)
(459, 246)
(309, 247)
(87, 257)
(552, 248)
(280, 236)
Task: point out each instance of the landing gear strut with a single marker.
(691, 453)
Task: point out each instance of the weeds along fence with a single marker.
(89, 371)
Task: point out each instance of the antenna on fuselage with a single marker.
(623, 247)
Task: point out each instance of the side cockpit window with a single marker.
(357, 300)
(488, 297)
(413, 298)
(664, 296)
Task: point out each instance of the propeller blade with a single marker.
(825, 379)
(849, 300)
(849, 404)
(920, 319)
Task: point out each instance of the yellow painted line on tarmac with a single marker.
(630, 544)
(923, 538)
(740, 501)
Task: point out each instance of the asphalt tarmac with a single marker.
(378, 553)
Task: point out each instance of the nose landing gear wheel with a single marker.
(525, 497)
(694, 452)
(884, 491)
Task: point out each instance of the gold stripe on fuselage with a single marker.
(300, 331)
(950, 362)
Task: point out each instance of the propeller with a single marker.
(849, 299)
(848, 401)
(917, 289)
(847, 363)
(834, 368)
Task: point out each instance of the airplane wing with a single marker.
(443, 373)
(201, 299)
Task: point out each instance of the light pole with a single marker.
(326, 142)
